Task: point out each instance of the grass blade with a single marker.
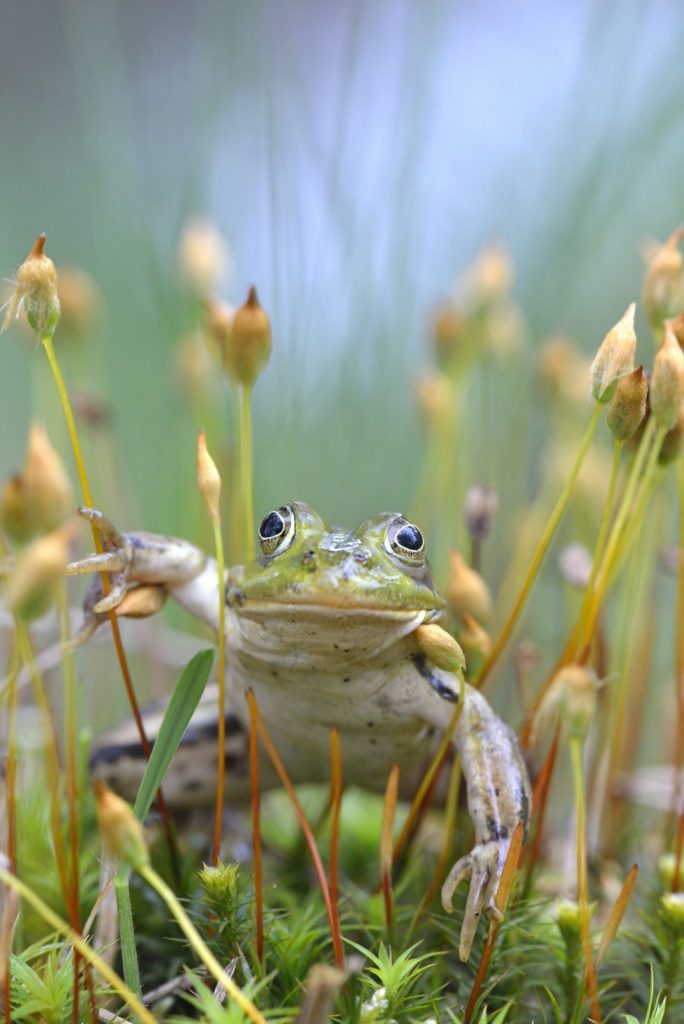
(185, 699)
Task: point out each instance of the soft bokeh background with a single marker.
(356, 156)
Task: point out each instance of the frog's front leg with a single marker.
(141, 559)
(498, 796)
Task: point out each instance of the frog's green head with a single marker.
(303, 561)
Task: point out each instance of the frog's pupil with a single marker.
(271, 526)
(410, 537)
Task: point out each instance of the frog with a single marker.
(323, 628)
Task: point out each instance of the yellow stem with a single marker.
(582, 875)
(221, 763)
(69, 417)
(541, 550)
(198, 944)
(600, 543)
(246, 465)
(56, 922)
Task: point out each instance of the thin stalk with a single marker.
(335, 808)
(47, 343)
(600, 541)
(11, 806)
(540, 797)
(618, 912)
(679, 681)
(389, 809)
(246, 463)
(256, 828)
(588, 616)
(221, 763)
(89, 954)
(632, 506)
(306, 829)
(576, 744)
(51, 759)
(198, 944)
(129, 955)
(539, 553)
(71, 722)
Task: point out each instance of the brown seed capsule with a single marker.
(434, 398)
(208, 478)
(249, 344)
(35, 292)
(663, 280)
(615, 357)
(122, 834)
(671, 448)
(571, 698)
(39, 567)
(467, 592)
(628, 405)
(49, 488)
(141, 602)
(15, 511)
(441, 648)
(480, 506)
(448, 333)
(80, 303)
(218, 324)
(666, 392)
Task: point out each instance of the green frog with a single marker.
(324, 628)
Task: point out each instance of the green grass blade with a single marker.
(186, 695)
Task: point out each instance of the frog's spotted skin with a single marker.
(322, 628)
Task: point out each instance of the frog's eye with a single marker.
(405, 541)
(276, 531)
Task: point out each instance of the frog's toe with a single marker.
(460, 872)
(113, 599)
(104, 526)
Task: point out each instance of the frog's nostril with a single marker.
(309, 561)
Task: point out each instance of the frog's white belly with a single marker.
(311, 672)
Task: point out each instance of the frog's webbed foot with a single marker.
(483, 866)
(141, 567)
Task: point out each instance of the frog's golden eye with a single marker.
(405, 541)
(276, 531)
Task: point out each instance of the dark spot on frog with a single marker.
(347, 679)
(437, 684)
(234, 596)
(371, 725)
(336, 646)
(495, 830)
(274, 673)
(309, 561)
(373, 741)
(236, 763)
(193, 785)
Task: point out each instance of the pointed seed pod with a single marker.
(141, 602)
(218, 323)
(667, 380)
(35, 292)
(448, 334)
(49, 488)
(39, 568)
(672, 906)
(203, 256)
(570, 698)
(441, 648)
(467, 592)
(15, 510)
(249, 344)
(434, 398)
(80, 303)
(122, 834)
(627, 407)
(615, 357)
(663, 280)
(208, 478)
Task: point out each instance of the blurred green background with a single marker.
(356, 156)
